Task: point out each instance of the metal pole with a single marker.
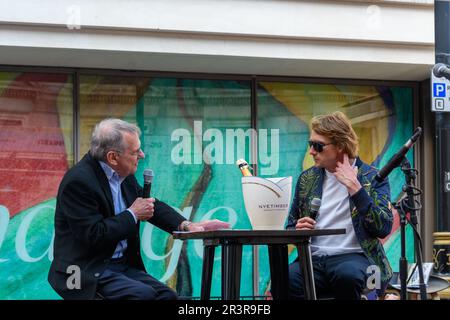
(442, 52)
(403, 263)
(254, 161)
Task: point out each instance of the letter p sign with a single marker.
(438, 90)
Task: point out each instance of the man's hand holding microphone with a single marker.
(310, 221)
(143, 208)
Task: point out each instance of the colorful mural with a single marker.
(381, 117)
(184, 124)
(35, 152)
(192, 133)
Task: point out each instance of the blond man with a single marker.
(350, 199)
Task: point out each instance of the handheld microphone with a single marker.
(398, 157)
(315, 205)
(148, 179)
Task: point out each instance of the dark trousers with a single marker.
(120, 281)
(340, 276)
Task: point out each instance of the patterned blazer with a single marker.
(370, 209)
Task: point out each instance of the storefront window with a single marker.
(381, 116)
(35, 151)
(193, 131)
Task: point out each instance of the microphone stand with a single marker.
(410, 205)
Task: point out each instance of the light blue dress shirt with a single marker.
(119, 203)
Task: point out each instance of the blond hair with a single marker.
(337, 127)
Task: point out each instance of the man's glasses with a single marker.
(137, 153)
(133, 154)
(318, 146)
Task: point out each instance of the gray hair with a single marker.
(108, 135)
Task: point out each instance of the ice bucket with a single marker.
(267, 201)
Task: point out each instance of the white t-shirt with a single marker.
(334, 213)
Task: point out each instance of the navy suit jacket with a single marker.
(87, 230)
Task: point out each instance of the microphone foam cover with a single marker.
(148, 176)
(315, 204)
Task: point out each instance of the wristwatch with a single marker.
(184, 225)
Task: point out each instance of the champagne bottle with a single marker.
(244, 167)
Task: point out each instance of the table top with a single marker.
(256, 236)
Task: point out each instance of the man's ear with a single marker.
(111, 157)
(340, 149)
(340, 156)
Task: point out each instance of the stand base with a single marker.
(438, 288)
(445, 294)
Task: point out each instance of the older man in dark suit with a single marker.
(98, 210)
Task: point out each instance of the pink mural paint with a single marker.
(33, 157)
